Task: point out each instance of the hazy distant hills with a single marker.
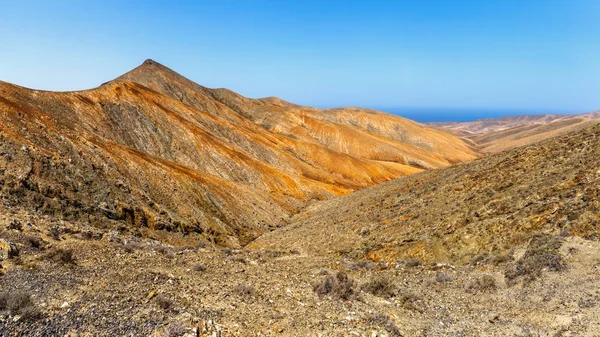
(497, 134)
(159, 151)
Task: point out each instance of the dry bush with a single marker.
(340, 286)
(411, 302)
(175, 329)
(64, 256)
(166, 251)
(413, 262)
(54, 233)
(244, 290)
(33, 241)
(443, 277)
(199, 267)
(485, 283)
(386, 322)
(541, 254)
(381, 286)
(132, 246)
(15, 225)
(490, 259)
(19, 303)
(164, 302)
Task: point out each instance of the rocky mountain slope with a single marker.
(498, 134)
(115, 204)
(452, 214)
(153, 150)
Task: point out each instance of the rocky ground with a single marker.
(72, 279)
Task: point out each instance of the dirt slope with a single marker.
(495, 135)
(452, 214)
(157, 151)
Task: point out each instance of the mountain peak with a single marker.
(149, 62)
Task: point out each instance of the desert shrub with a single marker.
(485, 283)
(542, 254)
(340, 286)
(54, 233)
(166, 251)
(480, 259)
(132, 246)
(33, 241)
(164, 302)
(487, 259)
(15, 225)
(411, 302)
(64, 256)
(413, 262)
(443, 277)
(175, 329)
(366, 265)
(381, 286)
(244, 290)
(19, 303)
(199, 267)
(386, 322)
(586, 304)
(162, 249)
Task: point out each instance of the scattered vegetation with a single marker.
(364, 265)
(54, 233)
(64, 256)
(19, 303)
(443, 277)
(411, 302)
(386, 322)
(541, 254)
(132, 246)
(15, 225)
(33, 241)
(175, 329)
(199, 267)
(340, 286)
(413, 262)
(491, 259)
(381, 286)
(164, 302)
(485, 283)
(244, 290)
(168, 253)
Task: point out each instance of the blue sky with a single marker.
(489, 55)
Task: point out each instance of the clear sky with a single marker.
(504, 54)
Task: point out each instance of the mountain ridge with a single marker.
(212, 162)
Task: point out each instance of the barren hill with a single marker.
(158, 151)
(452, 214)
(498, 134)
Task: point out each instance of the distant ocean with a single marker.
(428, 115)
